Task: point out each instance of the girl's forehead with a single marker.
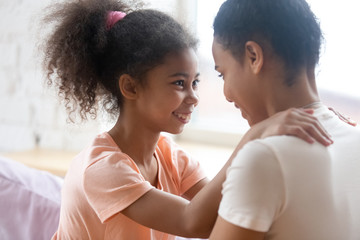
(186, 53)
(177, 64)
(185, 58)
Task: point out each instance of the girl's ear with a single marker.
(128, 86)
(254, 53)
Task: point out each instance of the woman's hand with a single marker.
(295, 122)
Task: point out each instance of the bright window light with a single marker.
(338, 79)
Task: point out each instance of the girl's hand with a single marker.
(295, 122)
(344, 118)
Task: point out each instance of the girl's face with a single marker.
(239, 84)
(170, 92)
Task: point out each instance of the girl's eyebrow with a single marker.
(182, 74)
(216, 67)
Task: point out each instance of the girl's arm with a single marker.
(175, 215)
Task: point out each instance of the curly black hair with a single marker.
(85, 60)
(288, 26)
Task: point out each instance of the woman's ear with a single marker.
(254, 53)
(128, 86)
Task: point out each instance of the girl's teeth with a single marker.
(184, 116)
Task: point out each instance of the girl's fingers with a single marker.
(295, 122)
(316, 132)
(308, 134)
(344, 118)
(300, 133)
(308, 110)
(305, 126)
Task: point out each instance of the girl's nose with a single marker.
(192, 97)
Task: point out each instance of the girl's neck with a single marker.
(134, 140)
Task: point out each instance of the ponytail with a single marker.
(85, 59)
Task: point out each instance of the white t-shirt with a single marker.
(294, 190)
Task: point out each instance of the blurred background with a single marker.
(33, 123)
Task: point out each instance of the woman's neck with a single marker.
(301, 93)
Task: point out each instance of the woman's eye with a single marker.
(220, 75)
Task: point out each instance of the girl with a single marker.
(131, 182)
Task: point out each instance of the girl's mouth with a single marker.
(183, 117)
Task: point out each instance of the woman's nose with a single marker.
(229, 100)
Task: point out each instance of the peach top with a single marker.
(102, 181)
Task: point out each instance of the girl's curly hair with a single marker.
(85, 60)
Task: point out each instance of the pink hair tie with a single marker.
(113, 17)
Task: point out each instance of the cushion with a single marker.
(29, 202)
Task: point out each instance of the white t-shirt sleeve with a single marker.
(254, 191)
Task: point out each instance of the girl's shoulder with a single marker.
(172, 153)
(166, 145)
(165, 141)
(103, 152)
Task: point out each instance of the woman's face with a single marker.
(170, 92)
(239, 84)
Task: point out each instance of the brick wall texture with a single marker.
(30, 113)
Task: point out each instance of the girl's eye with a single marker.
(220, 75)
(179, 83)
(196, 82)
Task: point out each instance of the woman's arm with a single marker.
(224, 230)
(175, 215)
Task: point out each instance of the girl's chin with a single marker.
(176, 131)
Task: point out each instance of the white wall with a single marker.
(30, 114)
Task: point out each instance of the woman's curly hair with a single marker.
(85, 60)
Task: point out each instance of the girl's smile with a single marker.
(170, 93)
(183, 117)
